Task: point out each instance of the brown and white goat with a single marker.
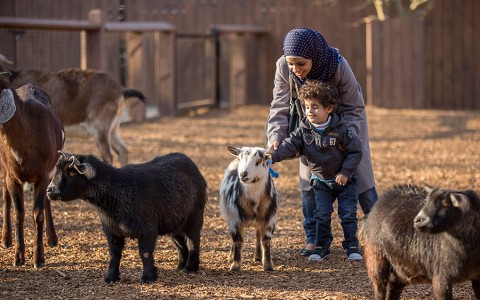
(85, 96)
(30, 138)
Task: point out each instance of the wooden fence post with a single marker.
(95, 42)
(368, 61)
(238, 72)
(164, 62)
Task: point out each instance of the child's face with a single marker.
(315, 111)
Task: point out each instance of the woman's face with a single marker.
(299, 65)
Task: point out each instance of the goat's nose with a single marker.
(52, 193)
(421, 220)
(244, 174)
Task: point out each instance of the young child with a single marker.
(333, 153)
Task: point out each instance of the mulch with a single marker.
(439, 148)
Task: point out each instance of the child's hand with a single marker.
(341, 179)
(268, 156)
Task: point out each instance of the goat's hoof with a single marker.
(53, 242)
(7, 244)
(235, 266)
(19, 260)
(268, 267)
(19, 263)
(111, 279)
(148, 280)
(190, 270)
(39, 264)
(150, 275)
(38, 260)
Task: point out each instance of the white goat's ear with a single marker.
(263, 154)
(7, 105)
(460, 200)
(85, 169)
(233, 150)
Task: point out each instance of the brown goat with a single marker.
(30, 138)
(85, 96)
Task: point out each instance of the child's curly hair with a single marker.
(325, 92)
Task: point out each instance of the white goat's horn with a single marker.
(64, 154)
(5, 60)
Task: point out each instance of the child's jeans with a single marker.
(309, 222)
(347, 196)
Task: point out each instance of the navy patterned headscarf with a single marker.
(310, 44)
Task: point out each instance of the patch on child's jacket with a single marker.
(351, 135)
(308, 138)
(333, 141)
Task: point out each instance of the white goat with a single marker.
(248, 198)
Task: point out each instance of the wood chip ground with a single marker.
(439, 148)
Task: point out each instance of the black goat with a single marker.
(166, 195)
(423, 235)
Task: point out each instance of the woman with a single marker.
(306, 55)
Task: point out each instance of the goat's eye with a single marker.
(259, 161)
(72, 173)
(445, 203)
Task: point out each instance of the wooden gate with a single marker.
(196, 71)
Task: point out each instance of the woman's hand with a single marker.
(341, 179)
(273, 146)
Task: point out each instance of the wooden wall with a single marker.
(452, 46)
(428, 62)
(397, 63)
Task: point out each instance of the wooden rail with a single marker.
(94, 23)
(10, 22)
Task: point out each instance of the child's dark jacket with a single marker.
(336, 150)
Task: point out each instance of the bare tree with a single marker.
(387, 9)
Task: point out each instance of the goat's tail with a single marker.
(129, 93)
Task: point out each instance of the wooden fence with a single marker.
(419, 61)
(428, 62)
(396, 63)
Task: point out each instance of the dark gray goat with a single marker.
(166, 195)
(423, 235)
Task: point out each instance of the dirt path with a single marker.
(439, 148)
